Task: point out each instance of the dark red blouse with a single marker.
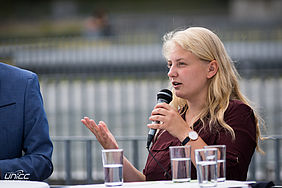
(238, 152)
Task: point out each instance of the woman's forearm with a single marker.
(130, 173)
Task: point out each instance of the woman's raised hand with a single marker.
(102, 133)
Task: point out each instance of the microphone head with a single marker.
(164, 95)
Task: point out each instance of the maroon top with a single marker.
(238, 152)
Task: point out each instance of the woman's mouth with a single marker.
(176, 84)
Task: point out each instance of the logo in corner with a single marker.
(17, 175)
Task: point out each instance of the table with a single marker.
(22, 184)
(162, 184)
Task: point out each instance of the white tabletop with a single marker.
(166, 184)
(22, 184)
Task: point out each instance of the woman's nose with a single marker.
(171, 72)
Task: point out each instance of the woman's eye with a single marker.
(169, 66)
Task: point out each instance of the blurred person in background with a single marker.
(207, 102)
(97, 25)
(26, 148)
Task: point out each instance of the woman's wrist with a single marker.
(184, 134)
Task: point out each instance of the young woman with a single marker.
(207, 108)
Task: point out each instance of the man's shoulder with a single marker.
(10, 71)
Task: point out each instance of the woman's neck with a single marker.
(193, 112)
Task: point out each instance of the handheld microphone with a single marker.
(163, 96)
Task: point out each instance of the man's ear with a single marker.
(212, 69)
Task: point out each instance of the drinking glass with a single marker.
(180, 157)
(221, 161)
(113, 166)
(206, 162)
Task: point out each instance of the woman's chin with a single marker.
(178, 94)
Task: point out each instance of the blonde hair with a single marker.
(222, 87)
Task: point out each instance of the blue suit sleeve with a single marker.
(37, 148)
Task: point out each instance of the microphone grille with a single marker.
(165, 95)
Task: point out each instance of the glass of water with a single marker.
(113, 166)
(180, 157)
(221, 161)
(206, 162)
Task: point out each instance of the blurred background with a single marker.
(103, 59)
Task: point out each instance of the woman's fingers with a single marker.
(86, 123)
(159, 111)
(103, 125)
(91, 125)
(155, 126)
(109, 140)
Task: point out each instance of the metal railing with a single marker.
(135, 158)
(88, 144)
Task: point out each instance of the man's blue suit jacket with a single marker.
(25, 145)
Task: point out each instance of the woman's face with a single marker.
(188, 74)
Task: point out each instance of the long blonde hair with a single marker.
(223, 86)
